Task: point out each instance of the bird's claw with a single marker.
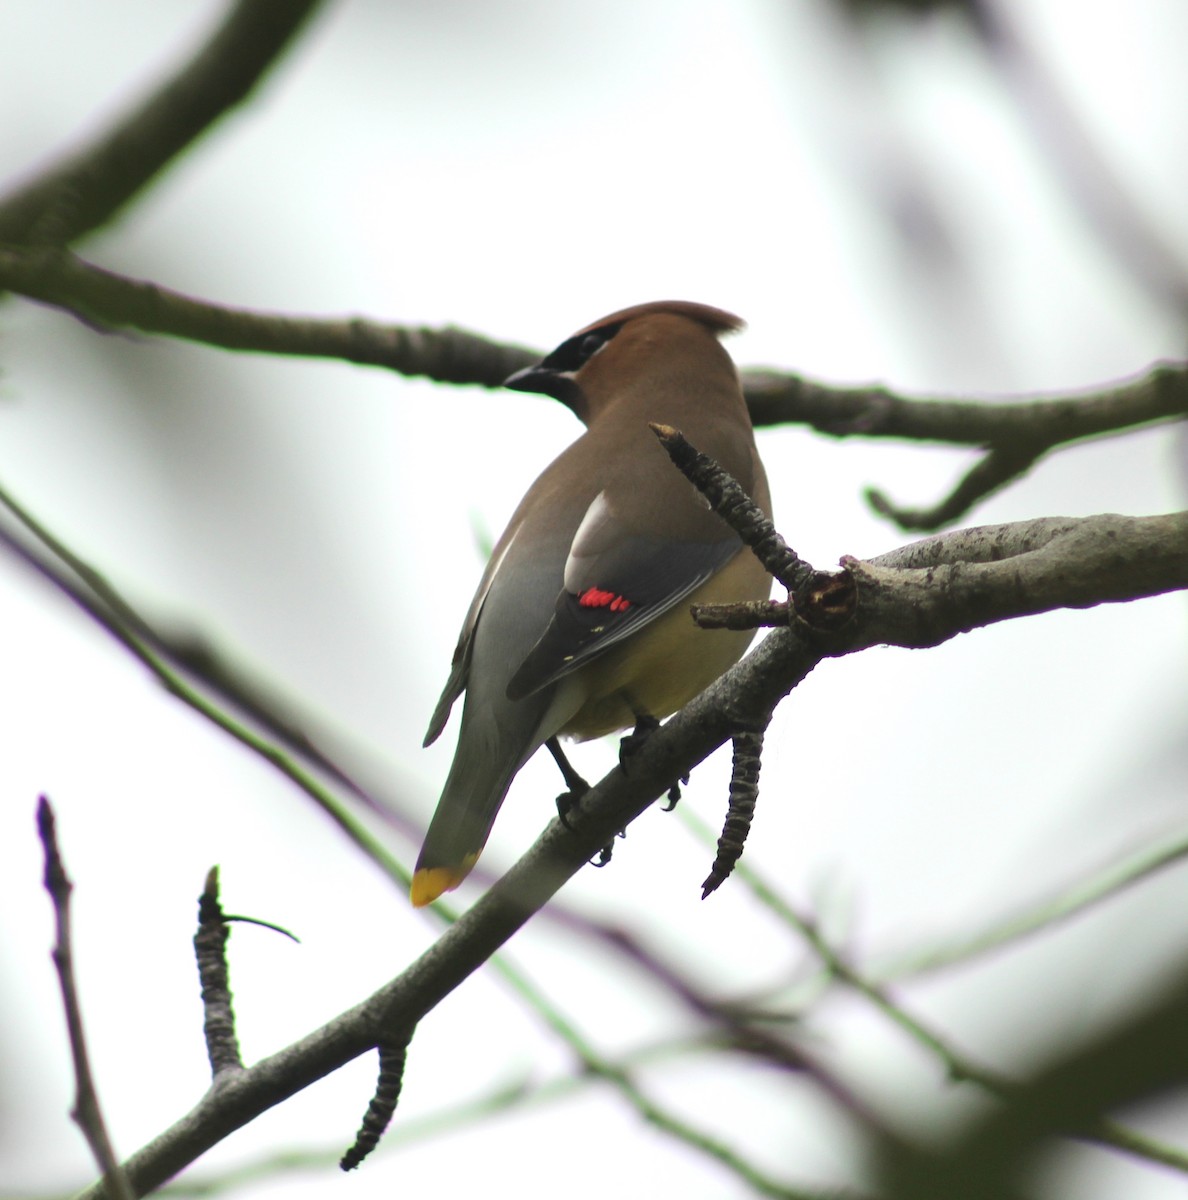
(674, 794)
(607, 851)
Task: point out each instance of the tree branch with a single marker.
(108, 607)
(919, 595)
(1038, 916)
(929, 591)
(777, 398)
(115, 302)
(1014, 434)
(86, 1112)
(88, 187)
(1022, 429)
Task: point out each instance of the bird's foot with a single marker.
(570, 802)
(576, 785)
(645, 726)
(674, 794)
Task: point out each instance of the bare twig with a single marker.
(744, 614)
(86, 188)
(86, 1112)
(744, 792)
(392, 1056)
(823, 600)
(994, 470)
(727, 498)
(516, 1095)
(739, 1026)
(210, 949)
(702, 1141)
(957, 1064)
(1038, 916)
(193, 655)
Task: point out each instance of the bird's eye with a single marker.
(590, 345)
(573, 354)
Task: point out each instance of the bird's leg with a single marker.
(578, 787)
(645, 726)
(572, 799)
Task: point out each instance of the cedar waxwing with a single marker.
(581, 623)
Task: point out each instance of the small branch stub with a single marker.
(823, 600)
(746, 614)
(744, 792)
(392, 1057)
(728, 499)
(210, 949)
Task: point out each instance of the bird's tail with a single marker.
(483, 768)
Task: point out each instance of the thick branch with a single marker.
(86, 188)
(929, 591)
(981, 576)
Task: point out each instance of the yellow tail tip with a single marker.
(431, 882)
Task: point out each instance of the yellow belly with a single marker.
(668, 662)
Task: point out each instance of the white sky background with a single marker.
(521, 169)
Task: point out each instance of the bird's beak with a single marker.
(561, 385)
(532, 379)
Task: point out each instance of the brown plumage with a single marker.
(580, 625)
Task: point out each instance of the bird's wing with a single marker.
(460, 665)
(615, 583)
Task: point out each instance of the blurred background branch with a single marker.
(85, 189)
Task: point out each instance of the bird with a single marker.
(580, 625)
